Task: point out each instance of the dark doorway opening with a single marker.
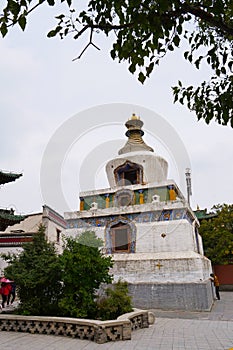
(128, 174)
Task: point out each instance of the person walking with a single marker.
(5, 291)
(214, 280)
(11, 294)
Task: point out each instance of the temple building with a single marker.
(202, 214)
(12, 239)
(18, 229)
(148, 228)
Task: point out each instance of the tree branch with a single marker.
(103, 27)
(184, 9)
(208, 18)
(86, 47)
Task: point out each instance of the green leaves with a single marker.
(37, 275)
(14, 13)
(3, 29)
(63, 285)
(141, 77)
(54, 32)
(84, 269)
(211, 100)
(176, 40)
(217, 235)
(116, 302)
(17, 11)
(22, 22)
(51, 2)
(145, 31)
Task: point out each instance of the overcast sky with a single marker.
(42, 90)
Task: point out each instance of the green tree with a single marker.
(144, 31)
(217, 235)
(84, 268)
(36, 271)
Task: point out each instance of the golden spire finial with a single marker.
(134, 134)
(134, 117)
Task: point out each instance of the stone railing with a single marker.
(97, 331)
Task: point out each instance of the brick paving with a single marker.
(172, 330)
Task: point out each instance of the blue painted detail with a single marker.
(150, 216)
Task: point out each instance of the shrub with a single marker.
(84, 269)
(36, 272)
(115, 302)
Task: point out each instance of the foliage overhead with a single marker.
(36, 272)
(145, 31)
(217, 235)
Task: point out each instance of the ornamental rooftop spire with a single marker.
(134, 134)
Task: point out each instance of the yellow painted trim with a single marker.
(172, 195)
(141, 198)
(81, 205)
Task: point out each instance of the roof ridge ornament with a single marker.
(134, 134)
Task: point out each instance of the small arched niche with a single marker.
(123, 197)
(128, 174)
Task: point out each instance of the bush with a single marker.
(115, 302)
(84, 268)
(66, 285)
(36, 272)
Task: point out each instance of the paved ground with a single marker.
(172, 331)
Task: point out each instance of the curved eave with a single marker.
(7, 219)
(202, 215)
(6, 177)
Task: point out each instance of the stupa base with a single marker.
(172, 296)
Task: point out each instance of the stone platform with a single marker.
(172, 296)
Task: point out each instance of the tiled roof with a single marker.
(203, 215)
(8, 218)
(8, 177)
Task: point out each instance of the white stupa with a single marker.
(149, 229)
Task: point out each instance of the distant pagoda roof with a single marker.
(8, 218)
(202, 214)
(8, 177)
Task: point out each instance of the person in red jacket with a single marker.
(5, 291)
